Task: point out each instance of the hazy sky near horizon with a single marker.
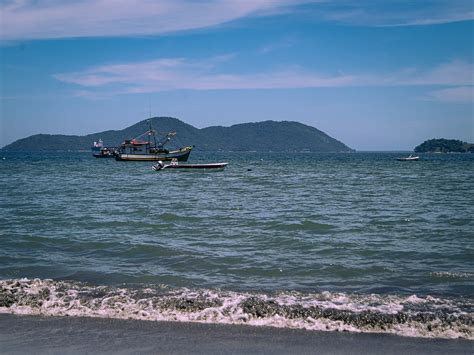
(377, 75)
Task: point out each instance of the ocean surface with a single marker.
(357, 242)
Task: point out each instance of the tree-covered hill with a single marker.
(261, 136)
(444, 146)
(271, 136)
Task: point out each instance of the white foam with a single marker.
(51, 298)
(453, 275)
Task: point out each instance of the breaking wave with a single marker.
(326, 311)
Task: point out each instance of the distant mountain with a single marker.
(260, 136)
(444, 146)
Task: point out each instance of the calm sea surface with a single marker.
(361, 232)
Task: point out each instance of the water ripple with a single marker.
(309, 222)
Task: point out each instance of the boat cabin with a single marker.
(135, 146)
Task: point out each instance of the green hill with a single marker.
(260, 136)
(444, 146)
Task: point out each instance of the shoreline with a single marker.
(72, 335)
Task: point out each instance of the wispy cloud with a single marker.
(31, 19)
(462, 94)
(395, 12)
(284, 43)
(454, 73)
(178, 73)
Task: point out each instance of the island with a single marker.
(442, 145)
(264, 136)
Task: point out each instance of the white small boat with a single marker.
(409, 158)
(174, 165)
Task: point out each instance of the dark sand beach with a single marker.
(60, 335)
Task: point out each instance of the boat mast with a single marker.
(150, 132)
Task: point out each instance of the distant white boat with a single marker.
(409, 158)
(97, 146)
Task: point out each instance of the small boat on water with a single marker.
(409, 158)
(174, 165)
(100, 151)
(105, 153)
(97, 146)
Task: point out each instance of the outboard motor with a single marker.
(158, 166)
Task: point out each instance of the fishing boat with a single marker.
(409, 158)
(100, 151)
(150, 149)
(174, 165)
(97, 146)
(105, 152)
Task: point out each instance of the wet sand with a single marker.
(64, 335)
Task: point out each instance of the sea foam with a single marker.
(326, 311)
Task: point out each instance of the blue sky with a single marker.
(377, 75)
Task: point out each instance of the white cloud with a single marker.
(454, 73)
(456, 95)
(396, 12)
(284, 43)
(179, 73)
(29, 19)
(36, 19)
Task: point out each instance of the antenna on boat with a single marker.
(149, 107)
(151, 132)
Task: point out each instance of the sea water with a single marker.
(357, 242)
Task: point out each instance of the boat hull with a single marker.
(189, 167)
(408, 159)
(104, 155)
(181, 155)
